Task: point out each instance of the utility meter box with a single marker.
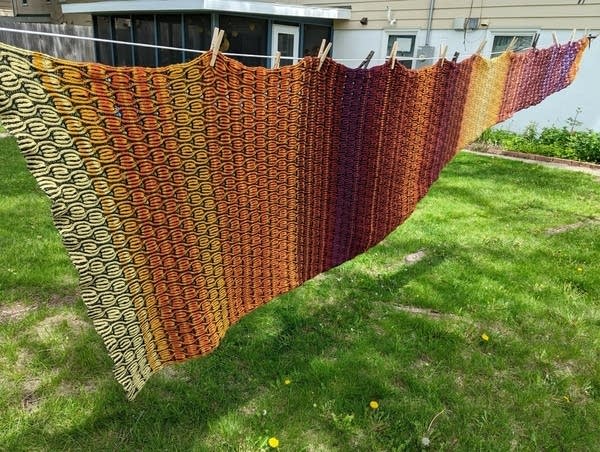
(424, 56)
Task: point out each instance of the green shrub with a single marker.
(586, 145)
(530, 132)
(551, 141)
(496, 137)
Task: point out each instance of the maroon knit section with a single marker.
(317, 167)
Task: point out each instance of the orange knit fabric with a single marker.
(189, 195)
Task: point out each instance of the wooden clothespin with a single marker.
(455, 57)
(481, 46)
(277, 60)
(573, 35)
(586, 35)
(322, 48)
(535, 40)
(443, 50)
(590, 37)
(323, 56)
(555, 38)
(367, 60)
(216, 45)
(393, 54)
(512, 44)
(214, 38)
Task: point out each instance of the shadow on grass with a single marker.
(323, 335)
(338, 338)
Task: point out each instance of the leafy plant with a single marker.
(586, 145)
(562, 142)
(573, 121)
(555, 136)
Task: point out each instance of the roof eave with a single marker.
(234, 6)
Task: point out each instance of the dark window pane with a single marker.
(285, 44)
(313, 35)
(123, 53)
(103, 49)
(406, 48)
(169, 34)
(245, 35)
(198, 33)
(143, 32)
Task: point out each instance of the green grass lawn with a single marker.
(511, 254)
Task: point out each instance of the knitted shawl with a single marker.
(186, 196)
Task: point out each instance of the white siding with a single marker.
(583, 93)
(543, 14)
(6, 8)
(558, 108)
(33, 7)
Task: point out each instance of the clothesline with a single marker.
(182, 49)
(161, 47)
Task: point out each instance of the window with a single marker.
(198, 33)
(313, 35)
(143, 32)
(406, 48)
(103, 31)
(245, 35)
(169, 32)
(122, 32)
(501, 43)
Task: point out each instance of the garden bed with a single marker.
(554, 142)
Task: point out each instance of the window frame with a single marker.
(215, 19)
(409, 61)
(508, 33)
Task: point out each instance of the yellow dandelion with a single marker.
(287, 381)
(579, 269)
(273, 442)
(374, 404)
(485, 337)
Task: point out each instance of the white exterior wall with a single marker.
(584, 93)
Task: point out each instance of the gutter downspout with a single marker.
(429, 21)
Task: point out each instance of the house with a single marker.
(296, 28)
(28, 11)
(43, 16)
(251, 28)
(421, 26)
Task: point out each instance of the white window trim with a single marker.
(506, 32)
(395, 31)
(237, 6)
(293, 30)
